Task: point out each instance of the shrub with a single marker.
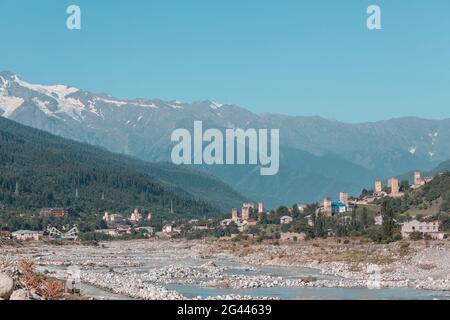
(416, 236)
(52, 289)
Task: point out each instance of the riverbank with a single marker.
(419, 265)
(155, 269)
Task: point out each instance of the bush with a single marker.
(397, 236)
(375, 234)
(416, 236)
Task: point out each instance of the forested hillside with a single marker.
(40, 170)
(431, 199)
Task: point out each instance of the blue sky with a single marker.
(294, 57)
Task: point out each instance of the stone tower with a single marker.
(327, 207)
(395, 189)
(234, 214)
(343, 197)
(378, 186)
(245, 213)
(417, 178)
(261, 207)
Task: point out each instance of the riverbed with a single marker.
(179, 270)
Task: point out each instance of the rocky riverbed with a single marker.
(145, 269)
(420, 265)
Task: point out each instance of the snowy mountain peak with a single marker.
(5, 78)
(63, 101)
(6, 75)
(56, 91)
(8, 104)
(215, 105)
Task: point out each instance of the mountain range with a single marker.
(318, 157)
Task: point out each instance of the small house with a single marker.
(430, 229)
(24, 235)
(338, 207)
(286, 220)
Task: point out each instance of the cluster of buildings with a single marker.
(136, 217)
(427, 229)
(393, 188)
(126, 230)
(244, 221)
(117, 224)
(250, 211)
(330, 208)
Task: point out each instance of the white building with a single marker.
(286, 220)
(379, 220)
(430, 229)
(24, 235)
(225, 223)
(302, 207)
(241, 224)
(171, 228)
(112, 218)
(136, 216)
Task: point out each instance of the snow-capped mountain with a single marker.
(328, 155)
(97, 118)
(65, 102)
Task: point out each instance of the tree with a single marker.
(364, 218)
(388, 226)
(416, 236)
(320, 226)
(296, 213)
(233, 228)
(282, 211)
(354, 223)
(366, 192)
(404, 186)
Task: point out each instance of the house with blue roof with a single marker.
(338, 207)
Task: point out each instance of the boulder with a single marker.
(20, 295)
(6, 286)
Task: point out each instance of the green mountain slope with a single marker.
(39, 170)
(443, 167)
(431, 199)
(438, 189)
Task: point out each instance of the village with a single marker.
(253, 220)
